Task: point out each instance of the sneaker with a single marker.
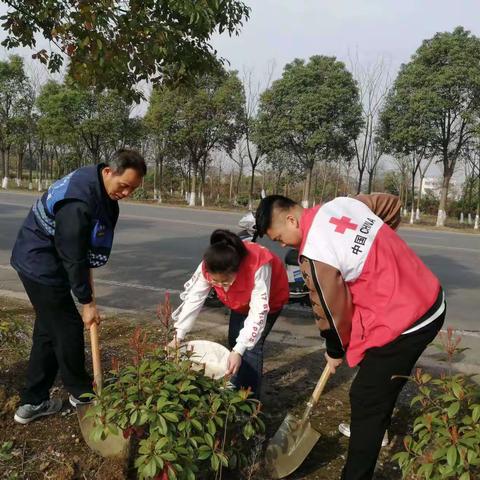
(344, 429)
(74, 401)
(27, 412)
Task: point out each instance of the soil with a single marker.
(52, 447)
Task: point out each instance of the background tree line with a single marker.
(322, 129)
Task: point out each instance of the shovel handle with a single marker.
(97, 365)
(321, 384)
(322, 381)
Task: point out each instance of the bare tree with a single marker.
(253, 89)
(373, 85)
(238, 157)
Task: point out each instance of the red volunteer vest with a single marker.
(391, 287)
(237, 298)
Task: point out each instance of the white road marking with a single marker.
(443, 247)
(114, 283)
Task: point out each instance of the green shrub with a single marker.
(445, 442)
(187, 425)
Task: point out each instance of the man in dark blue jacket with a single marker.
(68, 231)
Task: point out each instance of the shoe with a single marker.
(74, 401)
(27, 412)
(344, 429)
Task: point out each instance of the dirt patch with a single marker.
(52, 448)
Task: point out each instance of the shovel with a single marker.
(114, 445)
(295, 438)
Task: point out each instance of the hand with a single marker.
(90, 314)
(233, 363)
(333, 363)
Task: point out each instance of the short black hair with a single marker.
(225, 253)
(263, 217)
(126, 158)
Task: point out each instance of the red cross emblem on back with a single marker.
(342, 224)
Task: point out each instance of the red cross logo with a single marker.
(342, 224)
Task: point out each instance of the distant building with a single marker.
(433, 185)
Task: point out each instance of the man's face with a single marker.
(122, 185)
(285, 229)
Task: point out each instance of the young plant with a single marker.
(445, 442)
(188, 426)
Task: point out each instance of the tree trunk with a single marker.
(335, 193)
(324, 182)
(419, 198)
(4, 171)
(250, 193)
(477, 216)
(239, 182)
(370, 180)
(308, 185)
(160, 181)
(193, 185)
(412, 213)
(231, 187)
(441, 215)
(360, 179)
(20, 167)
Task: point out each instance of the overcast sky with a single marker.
(282, 30)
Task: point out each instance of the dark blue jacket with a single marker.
(36, 253)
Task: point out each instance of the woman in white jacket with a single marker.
(252, 282)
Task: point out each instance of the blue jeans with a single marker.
(251, 369)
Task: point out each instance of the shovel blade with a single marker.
(289, 447)
(114, 445)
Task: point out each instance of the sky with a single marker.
(280, 30)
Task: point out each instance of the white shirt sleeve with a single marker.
(193, 298)
(257, 316)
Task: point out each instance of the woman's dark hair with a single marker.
(225, 253)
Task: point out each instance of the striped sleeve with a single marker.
(331, 303)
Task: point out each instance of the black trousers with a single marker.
(251, 370)
(58, 344)
(373, 395)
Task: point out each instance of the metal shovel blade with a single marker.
(289, 447)
(114, 445)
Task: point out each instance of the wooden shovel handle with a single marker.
(97, 365)
(320, 385)
(322, 381)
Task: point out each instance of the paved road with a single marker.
(156, 248)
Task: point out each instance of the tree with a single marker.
(15, 94)
(373, 83)
(85, 121)
(117, 44)
(200, 119)
(312, 113)
(252, 97)
(436, 100)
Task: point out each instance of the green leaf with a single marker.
(452, 455)
(208, 440)
(204, 452)
(215, 462)
(453, 409)
(171, 417)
